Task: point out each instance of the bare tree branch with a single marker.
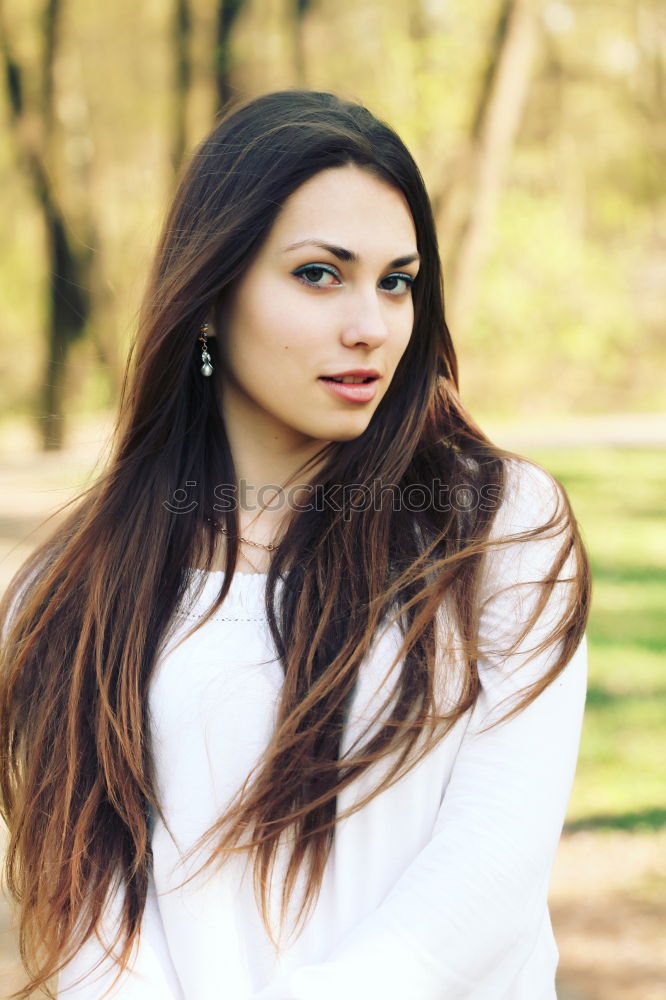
(51, 21)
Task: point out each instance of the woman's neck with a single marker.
(269, 486)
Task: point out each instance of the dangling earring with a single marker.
(206, 365)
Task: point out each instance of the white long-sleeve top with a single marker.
(434, 890)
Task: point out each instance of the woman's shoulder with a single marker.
(532, 536)
(530, 497)
(511, 493)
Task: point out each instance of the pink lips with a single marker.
(356, 373)
(362, 392)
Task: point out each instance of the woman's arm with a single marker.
(463, 919)
(151, 975)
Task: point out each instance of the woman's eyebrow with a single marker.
(348, 255)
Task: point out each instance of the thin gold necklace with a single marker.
(248, 541)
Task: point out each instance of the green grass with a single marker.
(619, 497)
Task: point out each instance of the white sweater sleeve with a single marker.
(150, 976)
(462, 920)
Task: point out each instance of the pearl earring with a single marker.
(206, 365)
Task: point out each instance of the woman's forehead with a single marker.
(342, 205)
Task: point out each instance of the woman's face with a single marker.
(328, 293)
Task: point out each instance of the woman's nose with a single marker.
(365, 322)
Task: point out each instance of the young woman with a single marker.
(290, 706)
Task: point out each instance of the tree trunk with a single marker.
(181, 35)
(69, 306)
(69, 301)
(495, 125)
(227, 13)
(300, 11)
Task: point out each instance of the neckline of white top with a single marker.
(220, 572)
(247, 592)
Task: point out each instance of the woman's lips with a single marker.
(360, 392)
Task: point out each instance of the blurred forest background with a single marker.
(540, 128)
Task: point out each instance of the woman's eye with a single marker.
(312, 275)
(320, 276)
(399, 284)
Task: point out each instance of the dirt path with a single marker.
(608, 905)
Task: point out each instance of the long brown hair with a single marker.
(92, 607)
